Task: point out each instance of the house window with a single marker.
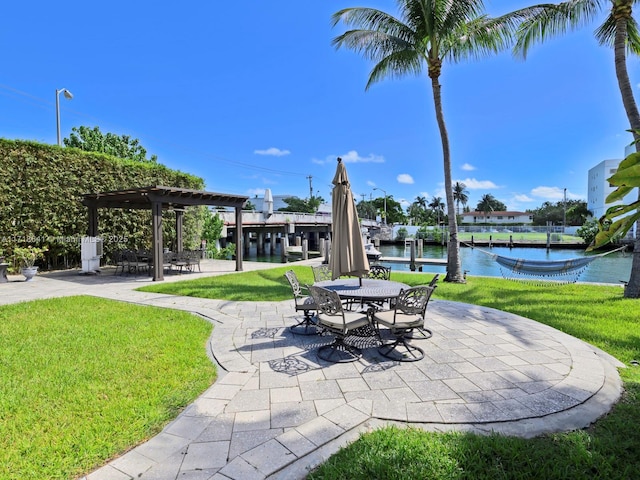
(499, 218)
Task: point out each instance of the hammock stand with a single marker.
(543, 272)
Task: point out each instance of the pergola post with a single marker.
(179, 221)
(239, 239)
(156, 234)
(92, 228)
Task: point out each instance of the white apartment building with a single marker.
(599, 188)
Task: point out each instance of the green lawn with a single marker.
(84, 379)
(597, 314)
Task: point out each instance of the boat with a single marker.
(372, 252)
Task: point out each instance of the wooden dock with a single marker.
(417, 261)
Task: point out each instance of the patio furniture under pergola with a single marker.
(159, 198)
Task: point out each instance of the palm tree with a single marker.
(422, 202)
(619, 31)
(430, 32)
(460, 195)
(437, 206)
(486, 205)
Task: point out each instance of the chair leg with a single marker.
(420, 333)
(401, 350)
(306, 326)
(339, 352)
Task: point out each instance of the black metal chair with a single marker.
(333, 318)
(434, 280)
(406, 316)
(379, 272)
(120, 261)
(321, 273)
(304, 304)
(134, 264)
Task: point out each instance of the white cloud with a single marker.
(555, 193)
(273, 152)
(521, 197)
(405, 178)
(549, 193)
(370, 183)
(473, 184)
(350, 157)
(468, 167)
(253, 192)
(353, 157)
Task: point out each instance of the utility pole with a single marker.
(309, 177)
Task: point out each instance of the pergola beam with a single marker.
(159, 198)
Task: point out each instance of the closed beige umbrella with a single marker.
(348, 256)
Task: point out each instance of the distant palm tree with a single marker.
(619, 31)
(437, 206)
(486, 205)
(430, 32)
(422, 202)
(460, 195)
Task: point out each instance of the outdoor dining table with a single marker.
(370, 290)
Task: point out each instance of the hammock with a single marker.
(563, 271)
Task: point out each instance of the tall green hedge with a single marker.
(41, 187)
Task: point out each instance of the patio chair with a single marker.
(406, 315)
(434, 280)
(379, 272)
(134, 264)
(180, 260)
(193, 259)
(321, 273)
(119, 261)
(333, 318)
(305, 304)
(167, 266)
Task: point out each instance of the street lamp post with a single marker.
(564, 211)
(385, 203)
(68, 95)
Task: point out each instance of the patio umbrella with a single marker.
(347, 248)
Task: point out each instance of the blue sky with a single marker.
(252, 95)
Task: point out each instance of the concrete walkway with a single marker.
(277, 411)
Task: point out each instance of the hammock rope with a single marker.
(563, 271)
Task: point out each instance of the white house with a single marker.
(497, 218)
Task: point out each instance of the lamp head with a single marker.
(67, 94)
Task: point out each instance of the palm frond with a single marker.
(479, 38)
(633, 37)
(396, 65)
(368, 19)
(373, 45)
(606, 33)
(544, 21)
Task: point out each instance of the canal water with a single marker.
(612, 268)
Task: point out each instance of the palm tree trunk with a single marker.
(454, 268)
(622, 12)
